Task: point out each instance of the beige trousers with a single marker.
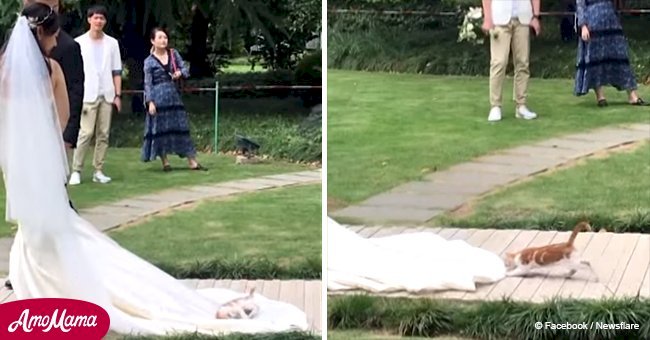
(513, 36)
(95, 122)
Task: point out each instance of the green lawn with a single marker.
(613, 192)
(241, 65)
(386, 129)
(281, 225)
(132, 177)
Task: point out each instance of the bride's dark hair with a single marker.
(43, 16)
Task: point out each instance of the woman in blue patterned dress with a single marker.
(167, 128)
(602, 52)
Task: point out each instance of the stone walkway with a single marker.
(304, 294)
(420, 201)
(621, 262)
(133, 209)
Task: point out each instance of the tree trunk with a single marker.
(198, 56)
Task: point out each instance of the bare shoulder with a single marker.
(57, 72)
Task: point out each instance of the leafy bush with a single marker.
(636, 222)
(309, 72)
(277, 125)
(426, 44)
(503, 319)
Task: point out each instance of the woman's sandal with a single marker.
(167, 168)
(639, 102)
(602, 102)
(199, 167)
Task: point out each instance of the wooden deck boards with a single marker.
(620, 261)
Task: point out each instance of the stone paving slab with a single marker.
(518, 169)
(249, 185)
(436, 201)
(295, 178)
(431, 188)
(5, 245)
(384, 214)
(472, 177)
(546, 151)
(442, 191)
(612, 135)
(506, 159)
(639, 127)
(584, 146)
(216, 190)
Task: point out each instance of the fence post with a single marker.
(216, 117)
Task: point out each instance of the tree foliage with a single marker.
(275, 23)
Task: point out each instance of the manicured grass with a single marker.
(282, 226)
(387, 129)
(132, 177)
(612, 193)
(488, 320)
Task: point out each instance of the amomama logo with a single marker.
(52, 319)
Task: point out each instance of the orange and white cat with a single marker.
(530, 261)
(240, 308)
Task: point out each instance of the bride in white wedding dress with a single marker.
(413, 262)
(56, 253)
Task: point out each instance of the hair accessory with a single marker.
(35, 22)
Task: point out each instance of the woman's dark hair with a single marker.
(43, 16)
(156, 30)
(97, 9)
(153, 35)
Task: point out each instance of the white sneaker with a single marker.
(99, 177)
(523, 112)
(495, 114)
(75, 178)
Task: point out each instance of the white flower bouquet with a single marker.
(470, 30)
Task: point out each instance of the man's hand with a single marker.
(585, 33)
(487, 26)
(536, 25)
(152, 108)
(118, 103)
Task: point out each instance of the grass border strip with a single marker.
(502, 319)
(245, 269)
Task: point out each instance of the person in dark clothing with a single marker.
(68, 54)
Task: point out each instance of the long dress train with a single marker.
(139, 298)
(414, 262)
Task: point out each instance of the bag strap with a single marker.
(173, 60)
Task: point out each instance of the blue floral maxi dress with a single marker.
(166, 132)
(603, 60)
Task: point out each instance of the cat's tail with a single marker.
(582, 226)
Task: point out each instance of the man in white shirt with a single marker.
(508, 23)
(102, 90)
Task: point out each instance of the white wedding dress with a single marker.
(413, 262)
(56, 253)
